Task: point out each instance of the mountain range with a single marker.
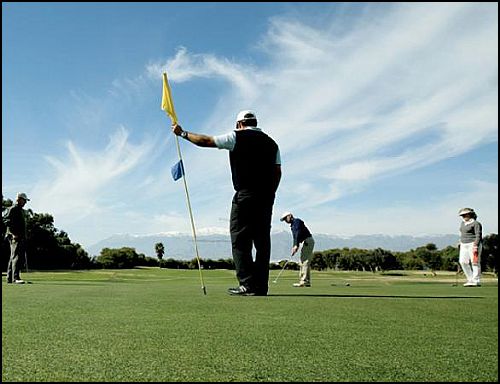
(180, 246)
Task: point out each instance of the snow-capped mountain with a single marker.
(215, 244)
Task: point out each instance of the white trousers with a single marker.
(306, 254)
(471, 265)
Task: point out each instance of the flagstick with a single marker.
(168, 106)
(191, 216)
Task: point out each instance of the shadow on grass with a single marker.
(372, 296)
(65, 284)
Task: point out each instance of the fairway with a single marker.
(156, 325)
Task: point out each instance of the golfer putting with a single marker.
(303, 240)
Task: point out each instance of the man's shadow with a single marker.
(369, 296)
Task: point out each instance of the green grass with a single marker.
(156, 325)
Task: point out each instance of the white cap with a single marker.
(246, 115)
(22, 195)
(284, 215)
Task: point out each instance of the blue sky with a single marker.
(386, 114)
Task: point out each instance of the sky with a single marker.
(386, 114)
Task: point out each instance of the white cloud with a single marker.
(418, 82)
(436, 216)
(185, 67)
(387, 91)
(84, 178)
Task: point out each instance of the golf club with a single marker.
(26, 260)
(456, 275)
(282, 269)
(27, 270)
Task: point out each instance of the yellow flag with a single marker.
(166, 101)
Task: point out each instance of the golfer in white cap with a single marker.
(15, 222)
(471, 246)
(303, 240)
(256, 172)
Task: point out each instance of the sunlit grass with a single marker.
(157, 325)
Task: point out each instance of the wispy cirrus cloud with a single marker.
(83, 180)
(185, 66)
(387, 90)
(396, 90)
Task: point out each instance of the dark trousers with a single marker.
(17, 249)
(250, 225)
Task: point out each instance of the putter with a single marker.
(456, 276)
(26, 259)
(282, 269)
(27, 270)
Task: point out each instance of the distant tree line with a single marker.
(49, 248)
(426, 257)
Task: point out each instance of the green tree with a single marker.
(124, 257)
(353, 259)
(410, 260)
(449, 258)
(169, 263)
(430, 256)
(160, 251)
(489, 255)
(318, 261)
(331, 257)
(388, 260)
(46, 246)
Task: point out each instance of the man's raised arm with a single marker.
(195, 138)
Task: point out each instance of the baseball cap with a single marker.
(284, 215)
(246, 115)
(22, 195)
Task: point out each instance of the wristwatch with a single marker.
(184, 134)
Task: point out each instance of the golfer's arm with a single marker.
(200, 140)
(479, 234)
(277, 176)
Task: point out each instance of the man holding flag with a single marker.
(178, 169)
(256, 173)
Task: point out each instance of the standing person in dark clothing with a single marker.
(303, 240)
(15, 222)
(256, 172)
(471, 246)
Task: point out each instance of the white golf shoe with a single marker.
(472, 284)
(301, 285)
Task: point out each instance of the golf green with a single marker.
(157, 325)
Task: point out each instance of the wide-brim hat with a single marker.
(465, 211)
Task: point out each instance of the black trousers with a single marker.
(250, 225)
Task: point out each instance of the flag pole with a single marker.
(190, 216)
(168, 106)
